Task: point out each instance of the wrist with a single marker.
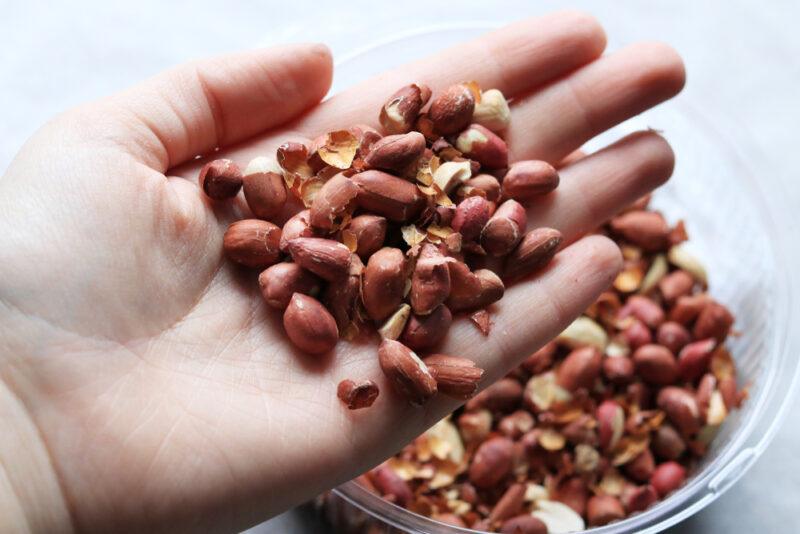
(31, 498)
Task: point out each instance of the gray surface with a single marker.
(741, 58)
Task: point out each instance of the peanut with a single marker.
(252, 243)
(309, 325)
(221, 179)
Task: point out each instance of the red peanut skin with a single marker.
(655, 364)
(526, 180)
(503, 231)
(673, 335)
(523, 524)
(491, 152)
(603, 509)
(693, 360)
(668, 477)
(252, 243)
(370, 232)
(310, 327)
(426, 331)
(471, 215)
(451, 111)
(221, 179)
(299, 225)
(331, 202)
(384, 283)
(491, 463)
(389, 196)
(279, 282)
(579, 369)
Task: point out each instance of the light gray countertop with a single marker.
(741, 58)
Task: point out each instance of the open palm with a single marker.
(144, 383)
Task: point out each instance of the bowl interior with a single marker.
(730, 227)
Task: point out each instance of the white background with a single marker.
(742, 59)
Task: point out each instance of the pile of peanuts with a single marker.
(395, 233)
(599, 424)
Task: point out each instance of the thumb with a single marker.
(198, 106)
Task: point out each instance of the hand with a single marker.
(144, 385)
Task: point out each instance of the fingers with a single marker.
(551, 123)
(535, 311)
(199, 106)
(515, 59)
(596, 187)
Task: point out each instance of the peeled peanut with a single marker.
(484, 185)
(475, 426)
(484, 146)
(264, 188)
(309, 325)
(384, 282)
(492, 111)
(400, 112)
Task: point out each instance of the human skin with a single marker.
(144, 383)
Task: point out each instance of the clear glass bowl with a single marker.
(735, 213)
